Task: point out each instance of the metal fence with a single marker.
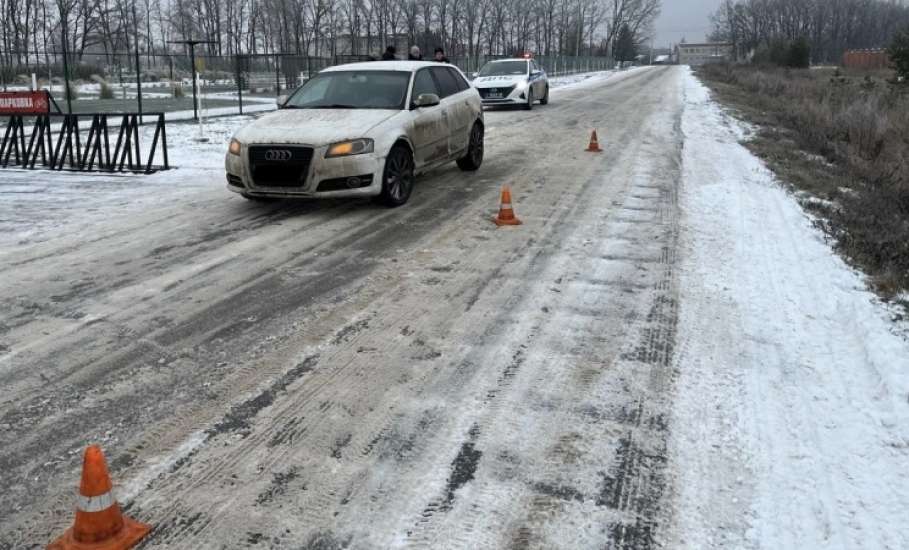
(72, 150)
(127, 82)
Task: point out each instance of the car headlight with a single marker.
(352, 147)
(234, 147)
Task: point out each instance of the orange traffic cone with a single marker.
(594, 146)
(506, 214)
(99, 524)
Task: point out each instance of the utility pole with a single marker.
(192, 58)
(138, 70)
(66, 90)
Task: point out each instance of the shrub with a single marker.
(899, 54)
(799, 54)
(782, 53)
(82, 70)
(775, 53)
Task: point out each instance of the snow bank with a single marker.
(561, 83)
(791, 428)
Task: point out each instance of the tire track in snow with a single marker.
(314, 430)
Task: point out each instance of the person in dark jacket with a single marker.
(389, 54)
(415, 54)
(439, 56)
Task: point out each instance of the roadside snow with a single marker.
(575, 81)
(791, 427)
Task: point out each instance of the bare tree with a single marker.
(319, 27)
(829, 26)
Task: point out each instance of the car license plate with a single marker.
(494, 95)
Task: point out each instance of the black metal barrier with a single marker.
(68, 152)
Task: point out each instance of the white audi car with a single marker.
(517, 81)
(364, 129)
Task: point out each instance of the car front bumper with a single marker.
(505, 101)
(352, 176)
(515, 96)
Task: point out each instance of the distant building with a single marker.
(699, 54)
(866, 59)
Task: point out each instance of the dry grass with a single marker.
(843, 137)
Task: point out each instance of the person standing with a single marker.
(415, 54)
(439, 56)
(389, 54)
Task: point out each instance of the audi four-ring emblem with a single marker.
(281, 155)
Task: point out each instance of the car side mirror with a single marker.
(536, 73)
(281, 100)
(427, 100)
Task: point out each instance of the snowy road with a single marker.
(336, 374)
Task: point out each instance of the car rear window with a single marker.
(447, 84)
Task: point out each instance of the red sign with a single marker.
(24, 103)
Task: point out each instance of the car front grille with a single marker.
(279, 166)
(485, 92)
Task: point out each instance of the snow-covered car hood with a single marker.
(498, 81)
(313, 126)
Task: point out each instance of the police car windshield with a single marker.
(504, 68)
(352, 90)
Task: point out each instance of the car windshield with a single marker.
(352, 90)
(504, 68)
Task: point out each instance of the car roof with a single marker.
(510, 59)
(404, 66)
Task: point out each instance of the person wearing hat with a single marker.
(439, 55)
(389, 54)
(415, 54)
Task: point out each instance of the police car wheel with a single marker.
(545, 100)
(529, 105)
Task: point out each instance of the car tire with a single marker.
(545, 100)
(529, 105)
(397, 177)
(471, 161)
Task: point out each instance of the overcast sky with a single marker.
(689, 19)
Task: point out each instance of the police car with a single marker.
(517, 81)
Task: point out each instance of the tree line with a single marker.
(829, 27)
(29, 29)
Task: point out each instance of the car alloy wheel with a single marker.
(398, 178)
(474, 157)
(529, 105)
